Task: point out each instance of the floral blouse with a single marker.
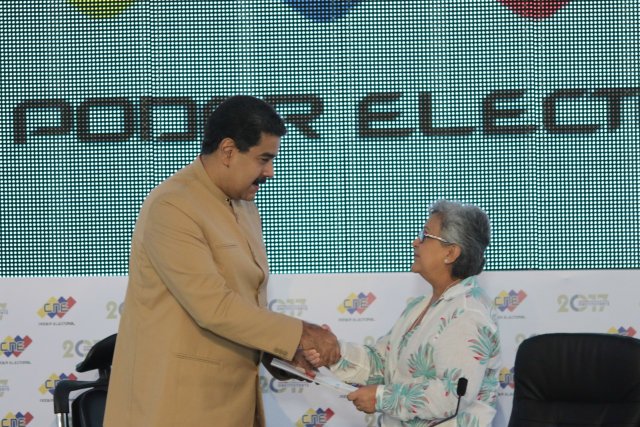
(418, 370)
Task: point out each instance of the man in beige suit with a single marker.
(195, 327)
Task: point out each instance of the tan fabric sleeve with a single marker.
(182, 258)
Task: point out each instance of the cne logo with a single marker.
(14, 346)
(509, 301)
(50, 383)
(56, 307)
(356, 303)
(629, 332)
(505, 378)
(315, 418)
(16, 420)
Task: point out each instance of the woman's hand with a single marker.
(364, 398)
(313, 357)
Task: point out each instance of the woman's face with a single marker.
(429, 255)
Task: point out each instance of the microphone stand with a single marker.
(461, 389)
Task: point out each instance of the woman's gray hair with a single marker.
(468, 227)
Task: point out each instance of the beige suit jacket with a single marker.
(194, 322)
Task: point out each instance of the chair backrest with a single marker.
(99, 356)
(578, 379)
(87, 410)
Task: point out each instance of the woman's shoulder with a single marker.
(477, 302)
(412, 303)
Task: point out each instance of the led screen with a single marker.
(527, 109)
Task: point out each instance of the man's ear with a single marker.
(227, 147)
(453, 252)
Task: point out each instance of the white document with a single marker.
(323, 376)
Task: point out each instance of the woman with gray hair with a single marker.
(412, 376)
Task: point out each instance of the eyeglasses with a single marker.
(422, 235)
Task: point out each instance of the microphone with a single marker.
(461, 389)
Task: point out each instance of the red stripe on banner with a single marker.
(535, 9)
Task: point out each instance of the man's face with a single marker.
(252, 168)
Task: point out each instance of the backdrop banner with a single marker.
(48, 324)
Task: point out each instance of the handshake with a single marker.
(318, 347)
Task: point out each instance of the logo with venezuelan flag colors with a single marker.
(14, 345)
(509, 300)
(50, 383)
(505, 378)
(356, 303)
(334, 10)
(315, 418)
(56, 307)
(16, 420)
(625, 332)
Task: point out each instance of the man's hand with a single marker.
(323, 341)
(364, 398)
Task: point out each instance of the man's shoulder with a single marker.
(180, 185)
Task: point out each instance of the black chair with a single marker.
(577, 379)
(87, 409)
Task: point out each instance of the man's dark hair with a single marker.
(243, 119)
